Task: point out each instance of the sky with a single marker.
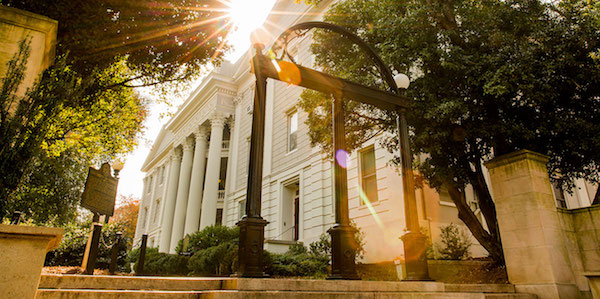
(247, 15)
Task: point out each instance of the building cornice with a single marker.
(213, 85)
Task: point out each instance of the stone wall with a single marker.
(548, 250)
(17, 25)
(582, 232)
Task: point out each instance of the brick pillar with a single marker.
(536, 255)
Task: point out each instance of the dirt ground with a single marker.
(77, 270)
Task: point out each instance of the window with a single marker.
(156, 206)
(242, 209)
(219, 220)
(223, 174)
(292, 131)
(368, 175)
(162, 175)
(559, 194)
(144, 217)
(149, 185)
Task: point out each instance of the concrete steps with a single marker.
(83, 286)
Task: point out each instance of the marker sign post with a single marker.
(100, 191)
(99, 197)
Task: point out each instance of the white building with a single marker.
(196, 172)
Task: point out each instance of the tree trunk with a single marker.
(490, 243)
(486, 204)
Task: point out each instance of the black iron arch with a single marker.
(384, 70)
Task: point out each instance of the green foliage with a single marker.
(72, 247)
(217, 260)
(158, 40)
(210, 236)
(455, 244)
(158, 263)
(66, 123)
(213, 249)
(86, 101)
(50, 190)
(322, 247)
(488, 78)
(296, 262)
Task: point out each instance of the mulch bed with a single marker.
(77, 270)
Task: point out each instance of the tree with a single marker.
(105, 48)
(488, 77)
(158, 40)
(50, 189)
(61, 112)
(126, 214)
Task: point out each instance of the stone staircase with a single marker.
(99, 286)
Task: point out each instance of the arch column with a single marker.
(169, 205)
(211, 183)
(182, 194)
(192, 218)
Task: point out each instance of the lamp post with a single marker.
(117, 166)
(415, 243)
(252, 225)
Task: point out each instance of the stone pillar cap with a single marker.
(515, 157)
(53, 233)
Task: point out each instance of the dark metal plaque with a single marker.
(100, 191)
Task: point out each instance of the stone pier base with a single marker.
(22, 253)
(537, 259)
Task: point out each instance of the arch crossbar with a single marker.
(384, 70)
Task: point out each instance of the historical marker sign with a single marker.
(100, 191)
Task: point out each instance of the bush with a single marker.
(209, 237)
(455, 244)
(297, 261)
(216, 260)
(158, 263)
(72, 247)
(323, 246)
(213, 250)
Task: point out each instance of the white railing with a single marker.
(221, 194)
(225, 144)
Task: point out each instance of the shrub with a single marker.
(209, 237)
(158, 263)
(323, 246)
(216, 260)
(297, 261)
(72, 247)
(213, 250)
(455, 244)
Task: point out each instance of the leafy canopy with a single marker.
(65, 122)
(158, 40)
(488, 77)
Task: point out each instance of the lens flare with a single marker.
(289, 73)
(367, 202)
(341, 157)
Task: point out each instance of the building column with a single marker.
(182, 193)
(192, 218)
(211, 183)
(230, 166)
(169, 205)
